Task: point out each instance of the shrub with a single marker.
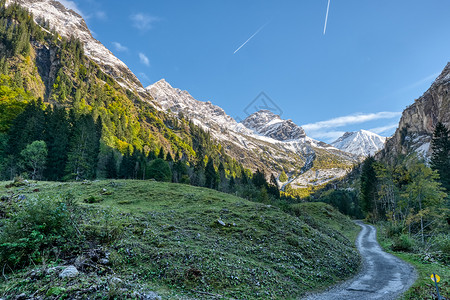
(393, 229)
(159, 170)
(35, 227)
(403, 243)
(442, 244)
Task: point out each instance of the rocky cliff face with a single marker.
(271, 125)
(418, 120)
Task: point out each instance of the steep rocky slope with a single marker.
(418, 120)
(263, 140)
(362, 143)
(68, 23)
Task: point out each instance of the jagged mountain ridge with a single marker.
(69, 23)
(362, 143)
(263, 140)
(419, 120)
(271, 125)
(271, 150)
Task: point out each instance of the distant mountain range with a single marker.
(263, 140)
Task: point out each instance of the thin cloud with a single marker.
(419, 82)
(248, 40)
(383, 129)
(351, 119)
(144, 76)
(144, 59)
(119, 47)
(143, 22)
(101, 15)
(327, 136)
(326, 18)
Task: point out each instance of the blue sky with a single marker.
(375, 58)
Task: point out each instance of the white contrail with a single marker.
(257, 31)
(326, 18)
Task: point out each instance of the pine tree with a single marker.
(83, 150)
(161, 154)
(259, 179)
(126, 166)
(231, 184)
(169, 157)
(57, 140)
(440, 158)
(368, 186)
(151, 155)
(273, 188)
(111, 166)
(211, 176)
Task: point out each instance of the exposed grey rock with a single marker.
(69, 272)
(22, 296)
(221, 222)
(271, 125)
(116, 281)
(418, 120)
(151, 296)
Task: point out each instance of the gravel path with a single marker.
(383, 276)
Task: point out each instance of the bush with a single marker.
(36, 226)
(159, 170)
(403, 243)
(442, 244)
(393, 230)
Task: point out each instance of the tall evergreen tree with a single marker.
(161, 153)
(368, 185)
(126, 168)
(57, 140)
(273, 188)
(259, 179)
(111, 166)
(151, 155)
(83, 150)
(211, 176)
(440, 157)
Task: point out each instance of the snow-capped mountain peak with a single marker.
(267, 123)
(362, 143)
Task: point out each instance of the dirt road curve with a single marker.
(383, 275)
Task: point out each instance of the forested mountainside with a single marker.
(81, 75)
(52, 91)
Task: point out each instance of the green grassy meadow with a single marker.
(178, 241)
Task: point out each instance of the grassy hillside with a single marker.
(128, 238)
